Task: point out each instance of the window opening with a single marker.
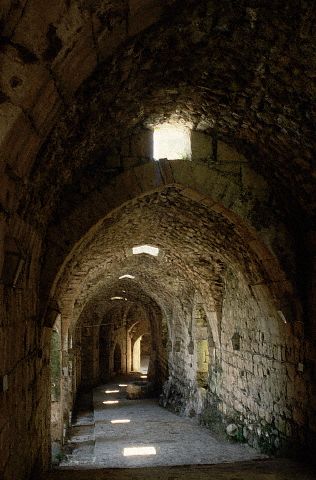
(146, 249)
(172, 142)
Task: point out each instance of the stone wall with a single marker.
(263, 382)
(24, 357)
(257, 380)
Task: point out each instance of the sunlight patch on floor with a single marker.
(123, 420)
(136, 451)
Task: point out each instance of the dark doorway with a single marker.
(117, 359)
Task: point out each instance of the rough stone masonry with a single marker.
(229, 302)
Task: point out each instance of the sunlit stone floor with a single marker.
(169, 439)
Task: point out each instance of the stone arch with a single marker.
(194, 181)
(213, 310)
(46, 72)
(102, 324)
(136, 332)
(111, 235)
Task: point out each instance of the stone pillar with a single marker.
(136, 355)
(129, 353)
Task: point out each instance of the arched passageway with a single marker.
(207, 300)
(228, 303)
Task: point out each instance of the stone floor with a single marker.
(172, 440)
(184, 450)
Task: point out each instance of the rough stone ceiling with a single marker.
(243, 73)
(197, 247)
(154, 283)
(101, 304)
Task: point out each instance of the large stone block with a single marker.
(21, 82)
(109, 40)
(17, 149)
(32, 28)
(142, 144)
(226, 153)
(201, 146)
(74, 64)
(143, 13)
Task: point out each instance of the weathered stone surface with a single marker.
(137, 390)
(81, 86)
(201, 146)
(232, 430)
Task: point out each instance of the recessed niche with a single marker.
(236, 341)
(191, 347)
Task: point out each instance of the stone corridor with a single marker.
(158, 211)
(98, 443)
